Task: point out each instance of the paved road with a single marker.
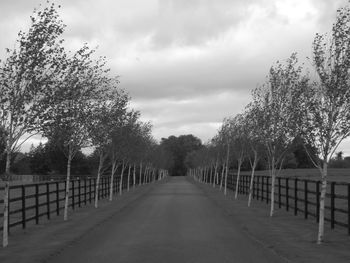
(174, 222)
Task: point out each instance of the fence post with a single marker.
(73, 194)
(23, 206)
(85, 191)
(105, 188)
(254, 188)
(348, 209)
(36, 204)
(317, 201)
(246, 185)
(279, 192)
(264, 188)
(287, 194)
(94, 186)
(305, 198)
(296, 196)
(48, 200)
(9, 211)
(332, 203)
(267, 189)
(90, 192)
(258, 188)
(57, 198)
(79, 192)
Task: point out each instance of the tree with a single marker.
(71, 99)
(179, 147)
(325, 104)
(39, 163)
(277, 99)
(108, 113)
(24, 74)
(252, 129)
(238, 135)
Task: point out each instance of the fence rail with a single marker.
(300, 196)
(34, 202)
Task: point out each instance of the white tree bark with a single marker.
(273, 179)
(215, 173)
(320, 235)
(66, 202)
(114, 168)
(129, 173)
(238, 176)
(134, 176)
(140, 175)
(227, 167)
(121, 179)
(252, 178)
(97, 186)
(222, 175)
(5, 230)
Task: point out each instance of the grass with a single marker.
(308, 178)
(334, 174)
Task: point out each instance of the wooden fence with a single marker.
(300, 196)
(34, 202)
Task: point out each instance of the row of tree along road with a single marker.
(71, 99)
(291, 105)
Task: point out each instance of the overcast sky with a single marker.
(187, 64)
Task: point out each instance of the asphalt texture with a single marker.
(173, 222)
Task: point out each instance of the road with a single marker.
(174, 222)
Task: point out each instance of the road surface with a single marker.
(174, 222)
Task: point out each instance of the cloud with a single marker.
(186, 63)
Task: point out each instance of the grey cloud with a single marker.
(194, 22)
(191, 78)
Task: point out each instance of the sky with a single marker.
(187, 64)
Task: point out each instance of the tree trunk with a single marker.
(66, 201)
(154, 174)
(222, 175)
(145, 175)
(207, 175)
(129, 173)
(320, 236)
(140, 177)
(8, 157)
(273, 179)
(114, 168)
(6, 193)
(8, 165)
(97, 186)
(238, 176)
(227, 164)
(252, 178)
(134, 176)
(121, 179)
(5, 230)
(215, 174)
(210, 175)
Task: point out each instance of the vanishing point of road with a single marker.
(173, 222)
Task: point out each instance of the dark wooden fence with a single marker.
(32, 203)
(301, 197)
